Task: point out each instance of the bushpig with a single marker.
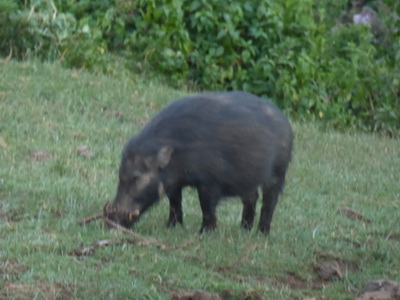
(222, 143)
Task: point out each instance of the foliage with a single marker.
(35, 31)
(305, 55)
(39, 29)
(281, 49)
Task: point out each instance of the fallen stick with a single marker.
(146, 242)
(142, 240)
(348, 212)
(90, 219)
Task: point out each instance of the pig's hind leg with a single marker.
(271, 191)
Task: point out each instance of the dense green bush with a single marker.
(35, 31)
(291, 51)
(39, 29)
(305, 55)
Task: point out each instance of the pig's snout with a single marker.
(119, 215)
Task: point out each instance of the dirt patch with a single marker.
(329, 270)
(225, 295)
(10, 268)
(193, 296)
(35, 291)
(295, 282)
(229, 295)
(394, 236)
(380, 290)
(344, 264)
(351, 214)
(10, 216)
(84, 152)
(40, 155)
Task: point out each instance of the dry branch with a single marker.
(90, 219)
(142, 241)
(348, 212)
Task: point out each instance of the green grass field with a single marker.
(61, 134)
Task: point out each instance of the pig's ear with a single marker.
(164, 156)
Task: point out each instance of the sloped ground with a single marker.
(336, 226)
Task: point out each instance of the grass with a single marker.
(46, 185)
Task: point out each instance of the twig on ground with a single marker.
(90, 219)
(142, 241)
(348, 212)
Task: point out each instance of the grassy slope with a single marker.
(45, 108)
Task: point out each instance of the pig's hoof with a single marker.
(264, 229)
(173, 221)
(207, 228)
(246, 225)
(174, 218)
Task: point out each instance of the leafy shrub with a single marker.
(39, 29)
(34, 32)
(220, 45)
(305, 55)
(287, 50)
